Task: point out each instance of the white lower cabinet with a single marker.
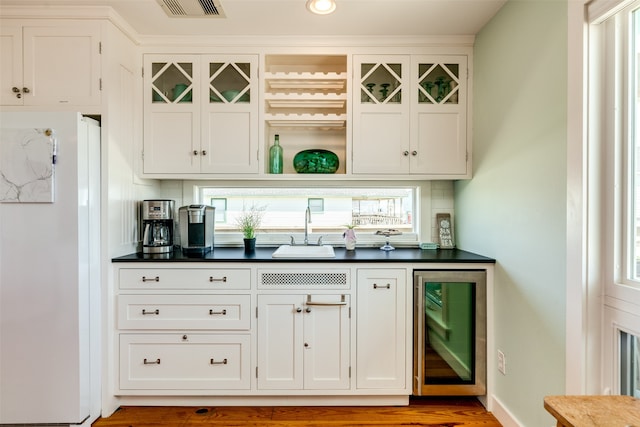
(184, 361)
(382, 329)
(182, 330)
(303, 342)
(263, 331)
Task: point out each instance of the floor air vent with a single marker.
(192, 8)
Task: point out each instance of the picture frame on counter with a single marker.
(445, 231)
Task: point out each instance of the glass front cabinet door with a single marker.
(229, 127)
(439, 116)
(381, 114)
(199, 115)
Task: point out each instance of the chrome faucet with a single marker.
(307, 221)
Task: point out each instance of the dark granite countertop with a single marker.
(263, 254)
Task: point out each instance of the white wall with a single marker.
(514, 208)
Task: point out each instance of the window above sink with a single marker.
(332, 209)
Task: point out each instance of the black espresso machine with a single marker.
(196, 229)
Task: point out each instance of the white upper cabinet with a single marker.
(338, 116)
(381, 118)
(53, 65)
(200, 114)
(439, 116)
(410, 116)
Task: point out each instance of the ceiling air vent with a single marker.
(192, 8)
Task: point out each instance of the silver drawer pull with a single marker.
(376, 286)
(223, 312)
(342, 302)
(156, 311)
(155, 279)
(213, 362)
(153, 362)
(212, 279)
(326, 304)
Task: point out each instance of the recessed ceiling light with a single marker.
(321, 7)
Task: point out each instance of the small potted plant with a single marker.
(248, 222)
(349, 236)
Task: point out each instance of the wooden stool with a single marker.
(594, 411)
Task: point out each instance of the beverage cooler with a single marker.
(450, 333)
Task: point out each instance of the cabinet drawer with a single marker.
(178, 278)
(183, 362)
(184, 312)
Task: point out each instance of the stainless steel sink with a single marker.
(288, 251)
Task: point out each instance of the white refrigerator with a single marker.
(49, 268)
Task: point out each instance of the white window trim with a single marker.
(607, 305)
(612, 139)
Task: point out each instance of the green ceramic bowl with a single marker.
(316, 161)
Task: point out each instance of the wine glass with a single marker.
(370, 87)
(384, 91)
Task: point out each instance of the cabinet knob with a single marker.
(195, 152)
(298, 310)
(414, 153)
(308, 310)
(25, 90)
(204, 152)
(405, 153)
(306, 344)
(15, 90)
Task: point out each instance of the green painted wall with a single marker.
(514, 208)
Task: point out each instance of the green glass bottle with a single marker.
(275, 156)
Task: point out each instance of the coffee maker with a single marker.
(196, 229)
(157, 226)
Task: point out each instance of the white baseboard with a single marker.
(503, 415)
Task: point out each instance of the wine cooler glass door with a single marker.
(450, 333)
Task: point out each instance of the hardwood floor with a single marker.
(428, 412)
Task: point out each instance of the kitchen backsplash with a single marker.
(441, 202)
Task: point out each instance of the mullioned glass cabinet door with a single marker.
(171, 114)
(381, 114)
(439, 116)
(229, 126)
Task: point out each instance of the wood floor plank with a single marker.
(427, 412)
